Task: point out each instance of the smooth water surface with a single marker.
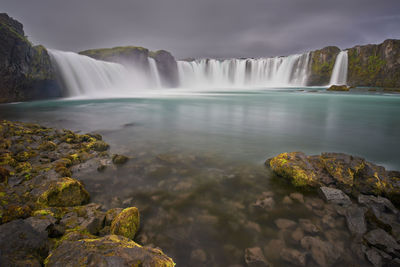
(196, 169)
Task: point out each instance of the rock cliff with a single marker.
(25, 70)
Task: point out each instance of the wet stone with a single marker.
(254, 257)
(293, 256)
(355, 220)
(380, 239)
(297, 197)
(285, 223)
(335, 196)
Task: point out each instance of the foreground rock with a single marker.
(353, 175)
(111, 250)
(42, 209)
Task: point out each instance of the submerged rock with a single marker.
(322, 252)
(293, 256)
(254, 257)
(335, 196)
(119, 159)
(110, 251)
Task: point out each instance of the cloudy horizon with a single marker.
(208, 28)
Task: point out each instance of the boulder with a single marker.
(293, 256)
(254, 257)
(355, 220)
(380, 239)
(285, 223)
(110, 251)
(119, 159)
(65, 192)
(335, 196)
(322, 252)
(351, 174)
(126, 223)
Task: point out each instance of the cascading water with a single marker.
(85, 76)
(264, 72)
(339, 73)
(155, 75)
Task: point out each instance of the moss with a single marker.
(119, 159)
(43, 212)
(4, 26)
(298, 174)
(24, 167)
(107, 53)
(99, 146)
(65, 192)
(126, 223)
(48, 146)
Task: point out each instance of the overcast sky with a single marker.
(207, 28)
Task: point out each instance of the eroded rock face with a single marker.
(322, 63)
(26, 72)
(111, 250)
(351, 174)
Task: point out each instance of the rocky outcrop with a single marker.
(167, 67)
(138, 56)
(375, 65)
(26, 72)
(351, 174)
(322, 62)
(339, 88)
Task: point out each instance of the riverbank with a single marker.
(44, 212)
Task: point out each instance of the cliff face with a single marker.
(369, 65)
(25, 70)
(138, 56)
(375, 65)
(129, 55)
(322, 62)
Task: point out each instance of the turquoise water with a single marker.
(244, 125)
(196, 162)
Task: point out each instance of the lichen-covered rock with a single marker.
(295, 166)
(4, 174)
(339, 88)
(126, 223)
(64, 192)
(99, 146)
(110, 251)
(351, 174)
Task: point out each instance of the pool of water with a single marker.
(196, 167)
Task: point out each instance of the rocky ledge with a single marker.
(44, 213)
(353, 189)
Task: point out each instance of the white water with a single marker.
(339, 73)
(85, 76)
(155, 75)
(264, 72)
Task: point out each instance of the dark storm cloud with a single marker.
(207, 28)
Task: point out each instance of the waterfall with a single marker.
(264, 72)
(85, 76)
(155, 75)
(339, 73)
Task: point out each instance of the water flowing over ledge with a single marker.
(339, 73)
(88, 77)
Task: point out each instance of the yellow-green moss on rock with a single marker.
(106, 251)
(126, 223)
(64, 192)
(294, 166)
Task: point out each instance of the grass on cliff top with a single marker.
(108, 52)
(15, 33)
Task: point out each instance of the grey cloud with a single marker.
(207, 28)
